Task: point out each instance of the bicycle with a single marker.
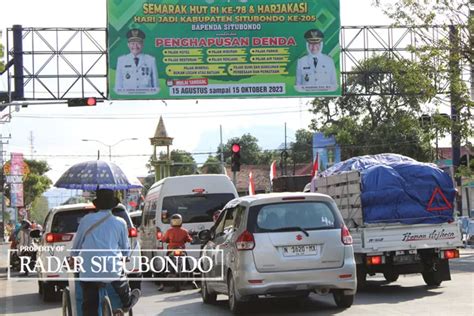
(109, 302)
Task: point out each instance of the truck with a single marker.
(401, 222)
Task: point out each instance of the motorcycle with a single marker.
(178, 256)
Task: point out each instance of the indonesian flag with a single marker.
(273, 171)
(251, 184)
(314, 173)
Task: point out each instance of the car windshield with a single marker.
(194, 208)
(68, 221)
(294, 216)
(136, 220)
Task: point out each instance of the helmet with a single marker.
(176, 220)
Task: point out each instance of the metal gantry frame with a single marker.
(64, 63)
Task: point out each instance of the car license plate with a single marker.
(303, 250)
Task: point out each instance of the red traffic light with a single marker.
(235, 148)
(91, 101)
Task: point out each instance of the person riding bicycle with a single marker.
(102, 235)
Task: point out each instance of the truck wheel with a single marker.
(361, 277)
(431, 278)
(391, 276)
(342, 300)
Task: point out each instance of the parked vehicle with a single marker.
(279, 244)
(400, 214)
(60, 226)
(136, 217)
(196, 198)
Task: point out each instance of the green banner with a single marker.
(183, 49)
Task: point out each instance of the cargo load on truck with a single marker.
(389, 188)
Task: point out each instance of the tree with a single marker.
(183, 162)
(446, 55)
(35, 182)
(301, 149)
(39, 209)
(387, 122)
(249, 149)
(2, 65)
(212, 166)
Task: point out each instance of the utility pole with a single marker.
(2, 190)
(222, 152)
(454, 78)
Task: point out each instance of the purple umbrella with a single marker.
(95, 174)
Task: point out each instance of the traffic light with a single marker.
(91, 101)
(235, 158)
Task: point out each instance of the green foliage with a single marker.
(212, 166)
(2, 65)
(35, 183)
(379, 123)
(183, 162)
(250, 152)
(443, 57)
(39, 209)
(249, 149)
(301, 149)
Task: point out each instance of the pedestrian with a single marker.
(315, 71)
(107, 235)
(136, 72)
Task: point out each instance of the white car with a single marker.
(279, 244)
(60, 226)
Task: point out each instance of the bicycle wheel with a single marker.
(106, 306)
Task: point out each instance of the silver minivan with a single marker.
(279, 244)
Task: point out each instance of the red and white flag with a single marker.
(314, 173)
(251, 184)
(273, 171)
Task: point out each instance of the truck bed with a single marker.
(382, 238)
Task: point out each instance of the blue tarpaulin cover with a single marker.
(398, 189)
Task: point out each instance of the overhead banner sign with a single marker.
(183, 49)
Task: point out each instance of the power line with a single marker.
(153, 116)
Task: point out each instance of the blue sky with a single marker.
(57, 130)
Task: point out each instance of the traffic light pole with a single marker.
(234, 178)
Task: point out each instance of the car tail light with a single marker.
(132, 232)
(255, 281)
(245, 241)
(159, 234)
(346, 237)
(374, 260)
(178, 253)
(52, 237)
(450, 254)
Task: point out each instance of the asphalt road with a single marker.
(407, 296)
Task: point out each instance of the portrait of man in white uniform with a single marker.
(315, 71)
(136, 72)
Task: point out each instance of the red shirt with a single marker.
(176, 237)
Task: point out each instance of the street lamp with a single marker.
(110, 146)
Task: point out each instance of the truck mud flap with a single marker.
(442, 266)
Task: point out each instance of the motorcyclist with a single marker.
(176, 237)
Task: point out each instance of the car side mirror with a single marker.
(35, 233)
(205, 235)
